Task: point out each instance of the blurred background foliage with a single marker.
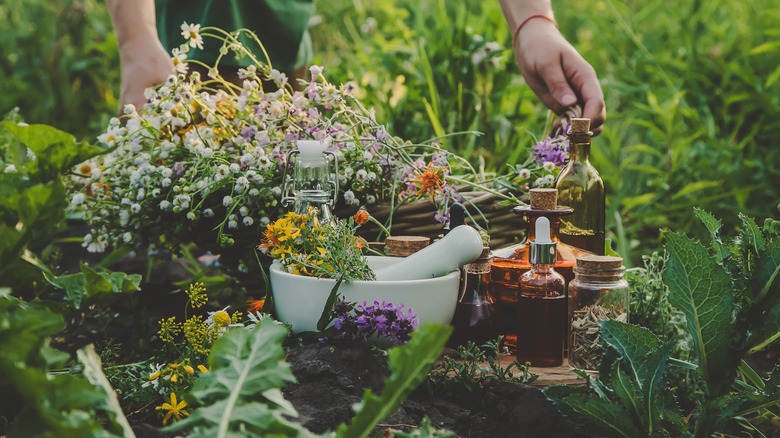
(692, 90)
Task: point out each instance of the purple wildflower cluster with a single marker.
(385, 320)
(554, 150)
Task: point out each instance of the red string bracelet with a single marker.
(520, 27)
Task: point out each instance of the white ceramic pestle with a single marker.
(461, 245)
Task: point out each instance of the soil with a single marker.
(331, 378)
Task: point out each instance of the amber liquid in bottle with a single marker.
(541, 317)
(581, 188)
(512, 262)
(473, 320)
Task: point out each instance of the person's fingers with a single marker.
(583, 78)
(554, 78)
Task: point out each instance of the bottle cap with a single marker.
(402, 246)
(312, 149)
(542, 251)
(598, 262)
(544, 199)
(579, 125)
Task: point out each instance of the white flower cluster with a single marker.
(204, 155)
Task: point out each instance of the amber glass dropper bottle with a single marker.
(541, 316)
(581, 188)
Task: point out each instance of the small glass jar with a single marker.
(598, 292)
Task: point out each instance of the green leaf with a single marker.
(751, 234)
(702, 290)
(656, 364)
(56, 151)
(626, 392)
(327, 312)
(239, 396)
(93, 370)
(33, 402)
(632, 343)
(770, 46)
(90, 284)
(594, 414)
(713, 225)
(409, 365)
(694, 187)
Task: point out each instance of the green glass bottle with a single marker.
(581, 188)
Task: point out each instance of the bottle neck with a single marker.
(542, 268)
(579, 152)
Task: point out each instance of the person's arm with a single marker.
(145, 62)
(553, 69)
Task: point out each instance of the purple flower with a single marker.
(554, 150)
(384, 320)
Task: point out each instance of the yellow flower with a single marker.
(175, 409)
(155, 375)
(189, 370)
(222, 319)
(203, 369)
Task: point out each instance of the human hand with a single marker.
(145, 63)
(557, 73)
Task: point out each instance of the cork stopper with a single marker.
(402, 246)
(581, 125)
(598, 262)
(544, 199)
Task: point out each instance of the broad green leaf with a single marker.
(652, 384)
(93, 370)
(632, 343)
(713, 225)
(56, 151)
(90, 284)
(625, 390)
(239, 396)
(33, 402)
(596, 415)
(702, 290)
(409, 365)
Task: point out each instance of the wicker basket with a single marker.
(484, 210)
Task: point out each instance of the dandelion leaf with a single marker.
(703, 291)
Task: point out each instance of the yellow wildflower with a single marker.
(203, 369)
(174, 409)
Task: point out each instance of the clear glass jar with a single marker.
(598, 292)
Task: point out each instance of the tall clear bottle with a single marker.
(581, 188)
(541, 317)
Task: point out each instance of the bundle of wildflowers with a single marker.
(205, 154)
(305, 247)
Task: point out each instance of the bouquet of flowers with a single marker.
(205, 154)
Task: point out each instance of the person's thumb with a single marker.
(559, 87)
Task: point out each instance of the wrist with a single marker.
(533, 20)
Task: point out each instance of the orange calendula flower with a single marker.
(431, 180)
(255, 306)
(361, 217)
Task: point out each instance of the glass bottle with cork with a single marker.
(598, 292)
(510, 263)
(581, 188)
(541, 304)
(473, 319)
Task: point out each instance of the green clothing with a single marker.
(281, 25)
